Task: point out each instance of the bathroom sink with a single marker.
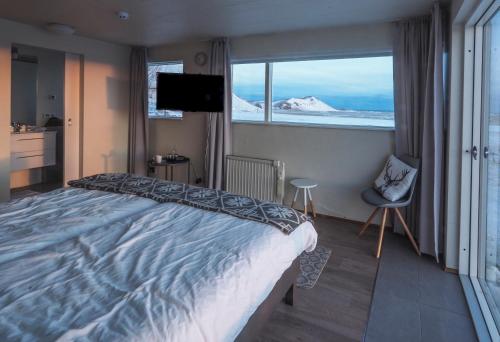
(32, 130)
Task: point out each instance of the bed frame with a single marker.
(283, 290)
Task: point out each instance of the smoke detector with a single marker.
(122, 15)
(60, 28)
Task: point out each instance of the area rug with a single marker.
(311, 266)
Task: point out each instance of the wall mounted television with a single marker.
(190, 93)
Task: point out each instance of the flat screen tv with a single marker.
(190, 93)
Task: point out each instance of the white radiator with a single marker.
(259, 178)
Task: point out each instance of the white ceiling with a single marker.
(155, 22)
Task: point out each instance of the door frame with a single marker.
(472, 125)
(73, 117)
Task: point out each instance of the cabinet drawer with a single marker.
(32, 142)
(32, 159)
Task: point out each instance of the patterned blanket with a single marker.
(280, 216)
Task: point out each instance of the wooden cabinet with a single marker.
(31, 150)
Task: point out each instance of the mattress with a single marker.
(88, 265)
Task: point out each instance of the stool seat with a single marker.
(306, 185)
(303, 183)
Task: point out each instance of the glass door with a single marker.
(489, 156)
(484, 267)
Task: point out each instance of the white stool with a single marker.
(306, 185)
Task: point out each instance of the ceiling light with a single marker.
(122, 15)
(60, 28)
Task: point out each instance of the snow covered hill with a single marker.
(306, 104)
(240, 105)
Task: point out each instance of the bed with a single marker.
(80, 264)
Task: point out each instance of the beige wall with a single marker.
(343, 161)
(339, 41)
(186, 136)
(5, 56)
(105, 102)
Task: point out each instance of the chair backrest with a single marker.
(415, 163)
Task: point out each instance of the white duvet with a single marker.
(88, 265)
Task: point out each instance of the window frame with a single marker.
(268, 88)
(266, 94)
(470, 238)
(180, 61)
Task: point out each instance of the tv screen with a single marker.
(190, 93)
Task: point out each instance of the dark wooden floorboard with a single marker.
(336, 309)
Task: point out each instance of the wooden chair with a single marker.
(372, 197)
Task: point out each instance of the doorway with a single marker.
(45, 119)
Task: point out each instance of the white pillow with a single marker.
(395, 179)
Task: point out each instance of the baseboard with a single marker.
(451, 270)
(331, 216)
(344, 219)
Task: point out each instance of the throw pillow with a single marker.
(395, 179)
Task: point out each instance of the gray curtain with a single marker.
(138, 116)
(419, 118)
(219, 124)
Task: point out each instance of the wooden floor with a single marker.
(336, 309)
(34, 189)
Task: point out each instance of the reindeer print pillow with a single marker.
(395, 179)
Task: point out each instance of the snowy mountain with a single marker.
(259, 104)
(306, 104)
(240, 105)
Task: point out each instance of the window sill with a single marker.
(164, 118)
(482, 322)
(312, 125)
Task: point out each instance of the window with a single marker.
(249, 91)
(351, 91)
(340, 92)
(153, 69)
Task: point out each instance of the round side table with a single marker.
(306, 185)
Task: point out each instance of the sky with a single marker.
(368, 76)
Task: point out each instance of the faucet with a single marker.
(17, 126)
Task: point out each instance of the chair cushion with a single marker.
(395, 179)
(373, 197)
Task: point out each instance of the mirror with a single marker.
(37, 85)
(24, 88)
